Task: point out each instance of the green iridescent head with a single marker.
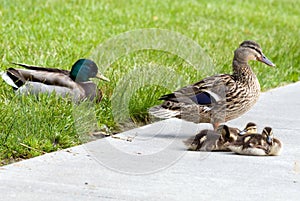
(84, 69)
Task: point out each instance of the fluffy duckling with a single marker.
(250, 128)
(210, 140)
(257, 144)
(275, 145)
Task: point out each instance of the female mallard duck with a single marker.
(257, 144)
(74, 83)
(210, 140)
(219, 98)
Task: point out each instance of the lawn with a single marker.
(56, 33)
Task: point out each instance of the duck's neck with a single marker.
(242, 71)
(243, 74)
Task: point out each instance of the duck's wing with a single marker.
(20, 76)
(241, 142)
(45, 69)
(253, 141)
(215, 89)
(204, 92)
(246, 139)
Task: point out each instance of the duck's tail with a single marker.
(10, 78)
(163, 113)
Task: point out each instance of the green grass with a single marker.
(57, 33)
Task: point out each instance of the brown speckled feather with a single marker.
(218, 98)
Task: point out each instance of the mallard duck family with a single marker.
(216, 99)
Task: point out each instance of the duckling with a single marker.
(257, 144)
(275, 145)
(210, 140)
(250, 128)
(220, 98)
(74, 83)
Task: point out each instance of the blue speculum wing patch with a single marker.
(202, 98)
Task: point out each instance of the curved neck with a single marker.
(241, 69)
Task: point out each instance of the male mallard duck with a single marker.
(210, 140)
(219, 98)
(75, 83)
(250, 128)
(257, 144)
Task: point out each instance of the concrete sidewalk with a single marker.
(154, 165)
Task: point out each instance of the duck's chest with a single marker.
(241, 97)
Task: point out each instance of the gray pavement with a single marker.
(154, 165)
